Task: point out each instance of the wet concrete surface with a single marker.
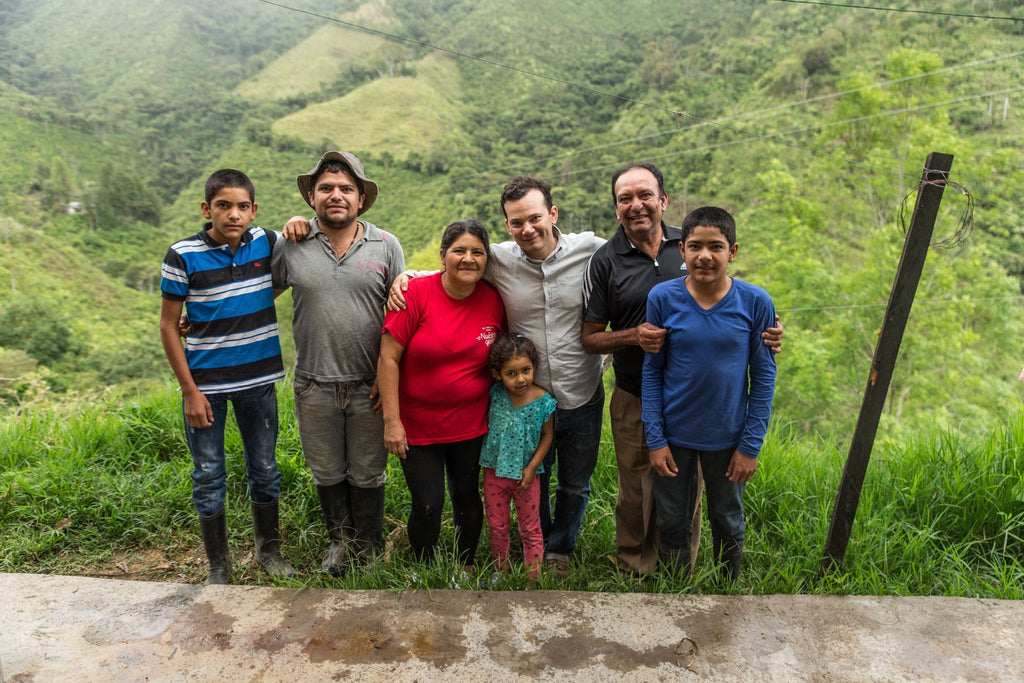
(83, 629)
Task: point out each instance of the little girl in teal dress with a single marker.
(520, 430)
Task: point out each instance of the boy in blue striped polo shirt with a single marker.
(232, 353)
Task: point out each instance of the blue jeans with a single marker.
(672, 498)
(256, 415)
(575, 446)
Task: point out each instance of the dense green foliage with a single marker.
(109, 495)
(811, 123)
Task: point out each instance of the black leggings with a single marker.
(424, 468)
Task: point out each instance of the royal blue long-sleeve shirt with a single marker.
(711, 385)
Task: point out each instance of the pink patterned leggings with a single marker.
(498, 491)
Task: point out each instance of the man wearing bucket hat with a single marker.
(340, 273)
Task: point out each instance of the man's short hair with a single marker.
(710, 217)
(518, 187)
(655, 171)
(228, 177)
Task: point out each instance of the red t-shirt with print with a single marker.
(443, 377)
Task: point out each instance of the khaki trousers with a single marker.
(636, 535)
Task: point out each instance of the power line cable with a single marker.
(901, 9)
(745, 138)
(767, 110)
(1014, 297)
(678, 114)
(648, 136)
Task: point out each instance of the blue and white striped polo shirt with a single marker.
(233, 341)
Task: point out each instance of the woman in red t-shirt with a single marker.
(434, 383)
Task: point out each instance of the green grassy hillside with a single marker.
(315, 62)
(811, 123)
(77, 51)
(402, 115)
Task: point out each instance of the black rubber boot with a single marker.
(268, 540)
(673, 560)
(336, 505)
(368, 520)
(215, 540)
(729, 558)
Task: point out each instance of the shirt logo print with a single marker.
(488, 335)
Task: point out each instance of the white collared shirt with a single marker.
(544, 302)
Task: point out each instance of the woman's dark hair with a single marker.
(460, 228)
(508, 346)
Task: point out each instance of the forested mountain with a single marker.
(811, 122)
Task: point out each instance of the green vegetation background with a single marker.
(810, 123)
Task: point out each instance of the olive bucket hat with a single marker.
(369, 188)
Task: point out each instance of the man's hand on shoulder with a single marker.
(649, 337)
(773, 336)
(396, 297)
(295, 229)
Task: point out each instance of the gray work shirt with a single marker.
(544, 302)
(338, 303)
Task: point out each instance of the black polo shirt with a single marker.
(619, 277)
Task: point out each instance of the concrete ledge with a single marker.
(60, 627)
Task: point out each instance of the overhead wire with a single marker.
(678, 114)
(944, 302)
(903, 9)
(718, 145)
(767, 110)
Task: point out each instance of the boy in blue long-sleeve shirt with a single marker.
(707, 394)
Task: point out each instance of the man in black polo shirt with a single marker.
(643, 252)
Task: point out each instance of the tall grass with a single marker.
(106, 491)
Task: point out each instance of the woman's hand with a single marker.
(394, 438)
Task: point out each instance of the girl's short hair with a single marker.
(508, 346)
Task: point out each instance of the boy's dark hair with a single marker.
(518, 187)
(228, 177)
(461, 227)
(710, 217)
(333, 166)
(507, 346)
(655, 171)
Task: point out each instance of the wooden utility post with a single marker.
(915, 249)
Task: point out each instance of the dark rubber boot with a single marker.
(368, 520)
(215, 540)
(268, 540)
(675, 563)
(729, 558)
(336, 505)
